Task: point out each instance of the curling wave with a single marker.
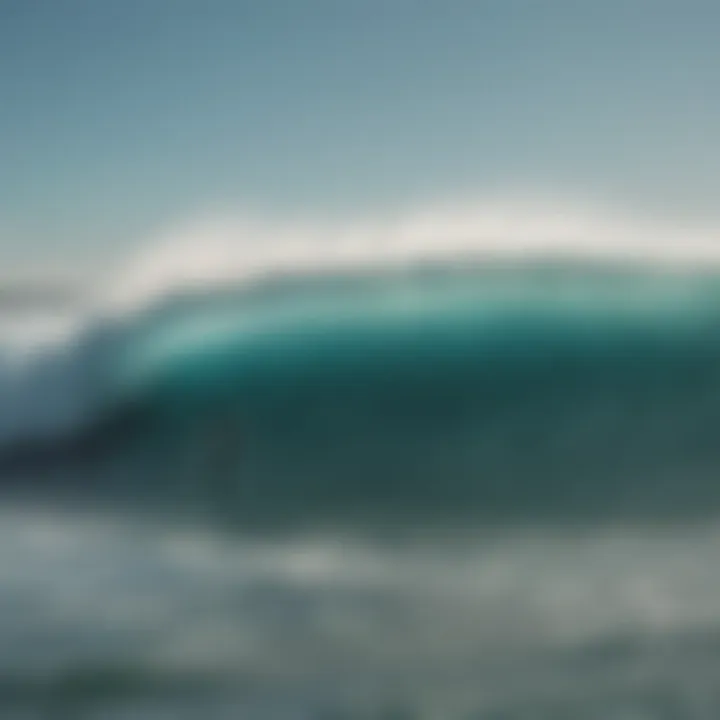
(414, 381)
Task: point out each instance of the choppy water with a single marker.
(107, 618)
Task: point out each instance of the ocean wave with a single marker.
(501, 392)
(501, 362)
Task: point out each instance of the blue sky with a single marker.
(117, 116)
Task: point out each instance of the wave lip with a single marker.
(238, 249)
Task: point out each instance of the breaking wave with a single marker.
(508, 361)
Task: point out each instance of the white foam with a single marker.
(451, 619)
(241, 247)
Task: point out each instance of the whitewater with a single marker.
(451, 463)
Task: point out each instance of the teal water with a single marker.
(551, 394)
(450, 494)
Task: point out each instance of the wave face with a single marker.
(433, 393)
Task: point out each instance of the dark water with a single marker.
(513, 396)
(476, 494)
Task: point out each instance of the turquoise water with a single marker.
(497, 396)
(456, 494)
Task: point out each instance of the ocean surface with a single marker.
(447, 488)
